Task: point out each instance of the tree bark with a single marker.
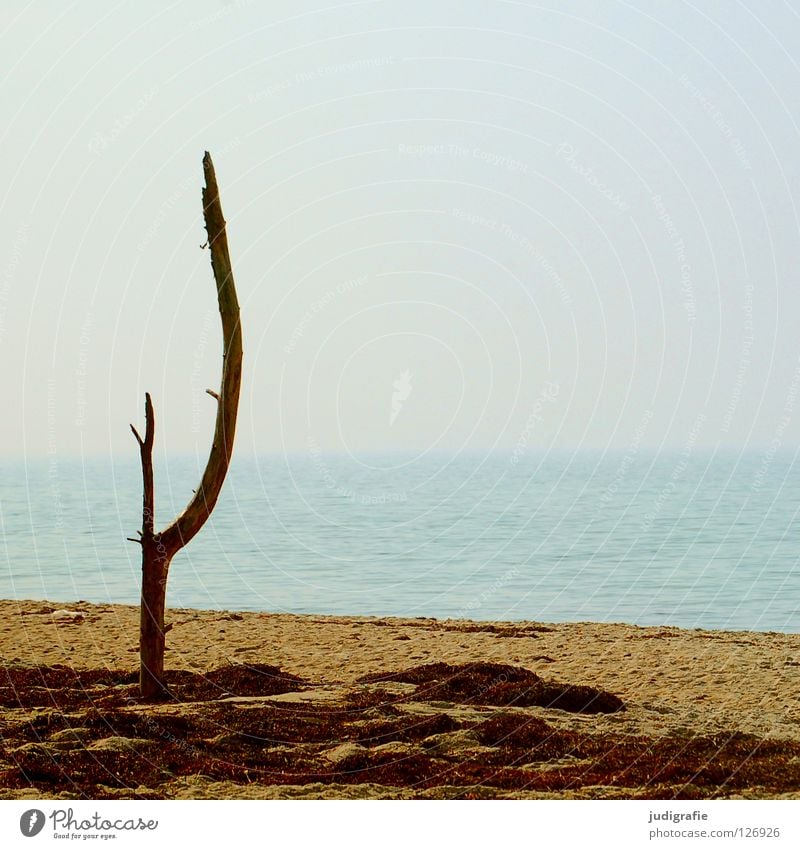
(152, 632)
(158, 549)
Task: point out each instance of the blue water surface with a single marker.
(702, 541)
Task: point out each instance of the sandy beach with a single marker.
(669, 713)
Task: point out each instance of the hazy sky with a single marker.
(454, 225)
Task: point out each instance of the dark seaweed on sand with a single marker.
(83, 734)
(499, 684)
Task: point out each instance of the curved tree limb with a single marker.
(199, 508)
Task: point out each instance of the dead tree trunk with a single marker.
(158, 548)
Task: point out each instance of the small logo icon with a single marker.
(31, 822)
(402, 389)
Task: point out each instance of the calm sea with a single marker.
(703, 541)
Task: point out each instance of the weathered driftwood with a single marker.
(158, 548)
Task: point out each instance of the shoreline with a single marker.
(394, 618)
(675, 684)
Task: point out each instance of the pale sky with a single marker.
(454, 226)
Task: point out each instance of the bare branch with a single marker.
(202, 503)
(146, 452)
(213, 394)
